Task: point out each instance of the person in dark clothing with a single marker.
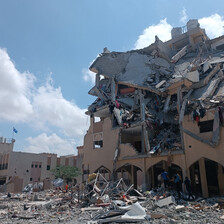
(177, 181)
(165, 178)
(111, 107)
(187, 184)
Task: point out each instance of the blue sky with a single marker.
(46, 47)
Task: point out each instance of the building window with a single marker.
(38, 178)
(39, 166)
(6, 166)
(31, 178)
(0, 166)
(36, 166)
(48, 167)
(32, 166)
(206, 126)
(98, 144)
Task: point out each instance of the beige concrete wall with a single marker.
(126, 150)
(5, 146)
(195, 149)
(95, 158)
(67, 160)
(20, 164)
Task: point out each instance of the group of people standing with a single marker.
(165, 181)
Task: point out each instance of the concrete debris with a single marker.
(180, 207)
(193, 76)
(136, 211)
(159, 206)
(179, 55)
(165, 201)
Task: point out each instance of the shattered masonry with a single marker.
(160, 107)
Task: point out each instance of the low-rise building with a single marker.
(17, 169)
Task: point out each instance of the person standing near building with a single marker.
(177, 182)
(165, 178)
(187, 184)
(66, 187)
(159, 179)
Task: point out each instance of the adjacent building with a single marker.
(17, 169)
(160, 107)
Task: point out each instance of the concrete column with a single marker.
(92, 120)
(164, 165)
(179, 99)
(132, 174)
(142, 140)
(187, 173)
(144, 175)
(97, 80)
(146, 137)
(220, 179)
(203, 177)
(153, 179)
(142, 106)
(113, 97)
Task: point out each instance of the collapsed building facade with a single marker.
(160, 107)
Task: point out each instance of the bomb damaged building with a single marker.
(160, 107)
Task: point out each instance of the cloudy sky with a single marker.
(46, 47)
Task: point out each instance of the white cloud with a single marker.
(214, 25)
(88, 76)
(162, 30)
(50, 144)
(50, 107)
(184, 17)
(15, 91)
(42, 107)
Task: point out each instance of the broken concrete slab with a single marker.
(206, 66)
(192, 76)
(91, 209)
(206, 91)
(179, 55)
(165, 201)
(180, 208)
(136, 212)
(160, 84)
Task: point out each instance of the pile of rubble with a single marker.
(101, 201)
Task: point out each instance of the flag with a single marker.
(15, 130)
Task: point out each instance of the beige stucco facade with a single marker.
(195, 152)
(20, 168)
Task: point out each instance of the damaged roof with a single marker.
(156, 84)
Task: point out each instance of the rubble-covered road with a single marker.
(57, 206)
